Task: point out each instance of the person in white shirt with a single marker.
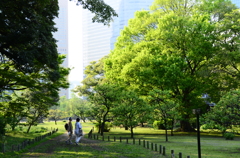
(78, 131)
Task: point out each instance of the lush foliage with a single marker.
(30, 66)
(107, 126)
(103, 13)
(229, 136)
(225, 115)
(26, 40)
(130, 110)
(79, 107)
(30, 61)
(185, 47)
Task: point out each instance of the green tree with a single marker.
(128, 109)
(164, 108)
(27, 43)
(37, 107)
(79, 107)
(225, 114)
(104, 96)
(179, 46)
(27, 47)
(35, 101)
(94, 75)
(63, 103)
(26, 39)
(55, 114)
(96, 113)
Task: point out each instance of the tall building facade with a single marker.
(62, 36)
(98, 39)
(68, 38)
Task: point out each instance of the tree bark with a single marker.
(172, 127)
(131, 132)
(166, 134)
(103, 123)
(186, 126)
(29, 127)
(99, 127)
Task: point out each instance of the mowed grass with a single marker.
(213, 145)
(13, 138)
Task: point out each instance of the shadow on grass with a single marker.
(56, 147)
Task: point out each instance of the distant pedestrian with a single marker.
(70, 131)
(78, 131)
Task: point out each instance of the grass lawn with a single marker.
(212, 144)
(19, 135)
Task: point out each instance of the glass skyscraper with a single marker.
(98, 39)
(62, 36)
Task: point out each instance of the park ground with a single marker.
(213, 145)
(57, 147)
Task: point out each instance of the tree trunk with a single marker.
(102, 128)
(166, 134)
(55, 122)
(172, 127)
(99, 126)
(131, 132)
(186, 126)
(29, 127)
(103, 123)
(125, 125)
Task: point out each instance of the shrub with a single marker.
(158, 125)
(41, 130)
(229, 136)
(107, 127)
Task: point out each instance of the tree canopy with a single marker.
(103, 13)
(29, 61)
(26, 34)
(225, 115)
(185, 47)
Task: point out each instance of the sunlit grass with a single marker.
(213, 145)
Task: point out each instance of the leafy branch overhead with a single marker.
(103, 13)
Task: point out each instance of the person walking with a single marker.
(70, 131)
(78, 131)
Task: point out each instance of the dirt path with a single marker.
(87, 148)
(47, 148)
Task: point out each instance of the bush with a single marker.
(158, 125)
(41, 130)
(107, 127)
(229, 136)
